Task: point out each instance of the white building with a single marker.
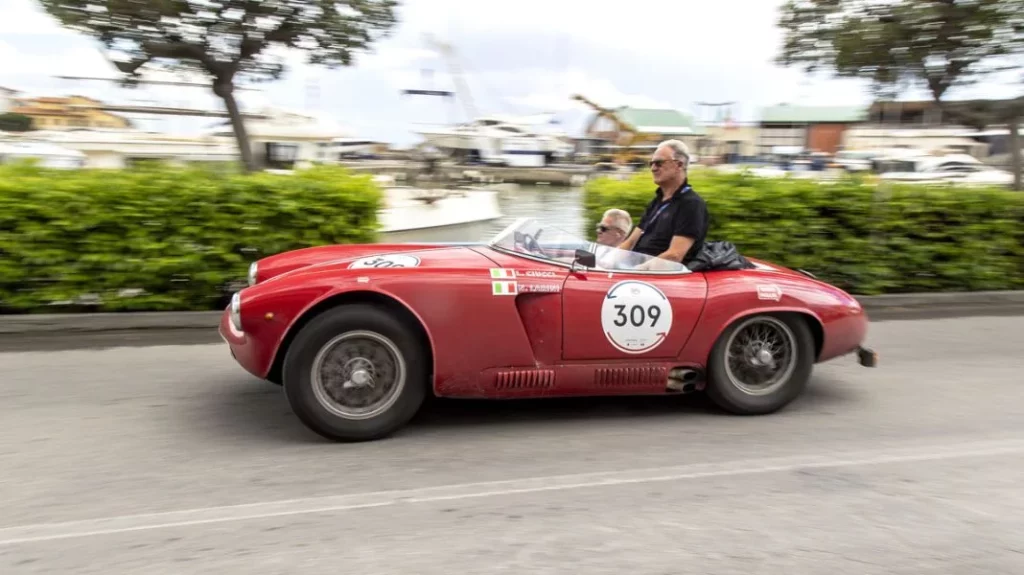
(7, 96)
(115, 149)
(287, 139)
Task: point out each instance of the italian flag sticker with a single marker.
(498, 273)
(503, 288)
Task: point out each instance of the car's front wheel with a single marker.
(760, 364)
(355, 373)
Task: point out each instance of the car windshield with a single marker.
(532, 239)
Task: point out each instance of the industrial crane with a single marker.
(455, 69)
(625, 138)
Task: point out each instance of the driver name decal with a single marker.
(386, 261)
(510, 282)
(635, 316)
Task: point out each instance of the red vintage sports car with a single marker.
(360, 334)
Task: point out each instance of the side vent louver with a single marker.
(525, 379)
(630, 376)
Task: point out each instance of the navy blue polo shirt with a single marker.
(684, 214)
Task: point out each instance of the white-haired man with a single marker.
(675, 223)
(613, 228)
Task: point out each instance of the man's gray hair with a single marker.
(620, 218)
(680, 150)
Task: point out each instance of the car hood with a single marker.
(369, 256)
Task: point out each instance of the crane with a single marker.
(626, 137)
(455, 69)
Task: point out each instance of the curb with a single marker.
(893, 306)
(107, 322)
(958, 299)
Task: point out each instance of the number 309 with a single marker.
(637, 315)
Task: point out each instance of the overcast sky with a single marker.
(519, 57)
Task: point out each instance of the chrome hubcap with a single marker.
(761, 355)
(360, 378)
(358, 375)
(762, 358)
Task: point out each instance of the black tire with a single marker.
(394, 339)
(726, 387)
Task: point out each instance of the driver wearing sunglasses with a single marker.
(614, 227)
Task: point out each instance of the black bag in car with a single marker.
(719, 255)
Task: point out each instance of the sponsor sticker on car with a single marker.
(769, 292)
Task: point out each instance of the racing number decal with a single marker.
(635, 316)
(386, 261)
(653, 310)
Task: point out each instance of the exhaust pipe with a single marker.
(683, 379)
(682, 374)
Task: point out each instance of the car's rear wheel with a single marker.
(760, 364)
(355, 373)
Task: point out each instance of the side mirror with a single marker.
(585, 259)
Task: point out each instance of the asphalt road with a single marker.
(170, 459)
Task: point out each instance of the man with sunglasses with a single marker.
(675, 223)
(613, 227)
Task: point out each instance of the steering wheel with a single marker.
(530, 242)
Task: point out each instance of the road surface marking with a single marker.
(252, 511)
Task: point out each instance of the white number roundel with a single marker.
(635, 316)
(386, 261)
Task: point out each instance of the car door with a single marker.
(629, 315)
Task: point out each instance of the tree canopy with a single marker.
(895, 44)
(226, 39)
(11, 122)
(937, 43)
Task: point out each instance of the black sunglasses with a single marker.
(658, 163)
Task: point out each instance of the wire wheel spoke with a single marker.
(358, 375)
(760, 355)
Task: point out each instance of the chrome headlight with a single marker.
(252, 273)
(236, 311)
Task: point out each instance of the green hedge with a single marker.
(162, 238)
(862, 237)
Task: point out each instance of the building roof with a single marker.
(787, 114)
(663, 121)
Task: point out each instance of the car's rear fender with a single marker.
(729, 301)
(709, 331)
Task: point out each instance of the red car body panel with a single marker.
(278, 264)
(559, 333)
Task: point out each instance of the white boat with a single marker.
(414, 214)
(954, 169)
(499, 140)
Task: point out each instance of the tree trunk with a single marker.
(226, 90)
(1015, 159)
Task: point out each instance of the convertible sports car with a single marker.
(359, 335)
